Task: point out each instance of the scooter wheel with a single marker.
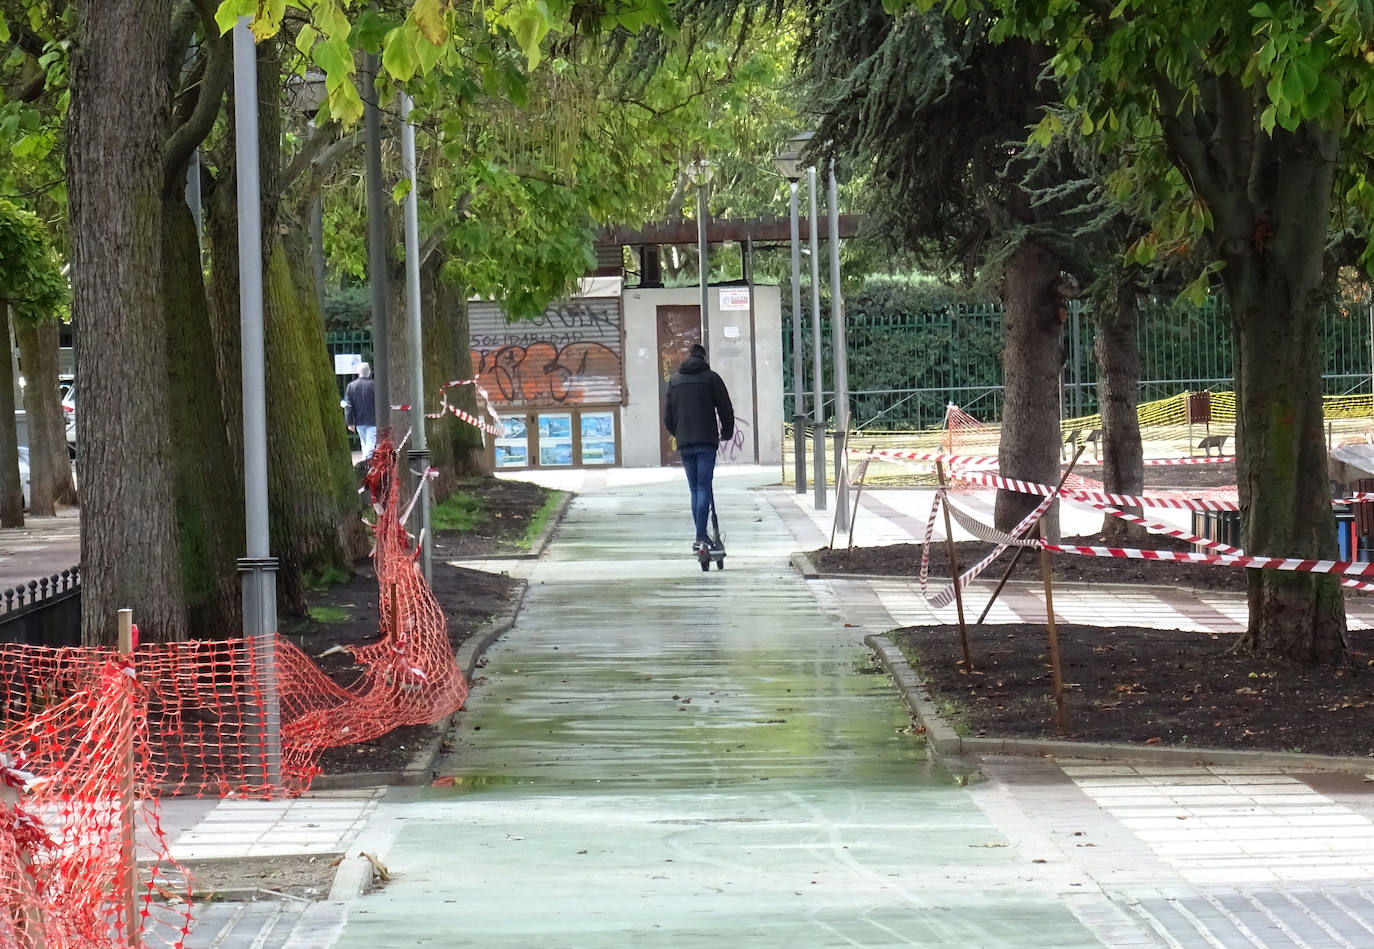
(720, 564)
(705, 566)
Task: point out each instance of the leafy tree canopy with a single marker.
(31, 279)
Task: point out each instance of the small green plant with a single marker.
(458, 512)
(325, 578)
(329, 614)
(540, 518)
(953, 714)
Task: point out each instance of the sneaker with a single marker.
(699, 545)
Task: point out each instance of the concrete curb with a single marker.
(956, 752)
(354, 876)
(803, 565)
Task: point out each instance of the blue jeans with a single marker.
(699, 461)
(367, 436)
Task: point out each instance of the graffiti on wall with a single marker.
(568, 356)
(733, 449)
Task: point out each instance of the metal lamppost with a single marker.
(377, 242)
(259, 568)
(818, 436)
(841, 354)
(419, 452)
(789, 166)
(700, 173)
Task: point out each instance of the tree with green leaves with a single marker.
(32, 289)
(1245, 124)
(33, 100)
(935, 115)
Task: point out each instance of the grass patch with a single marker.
(326, 578)
(459, 512)
(540, 519)
(329, 614)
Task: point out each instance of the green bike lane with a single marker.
(664, 757)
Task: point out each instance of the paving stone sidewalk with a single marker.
(1217, 857)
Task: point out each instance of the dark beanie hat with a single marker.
(697, 350)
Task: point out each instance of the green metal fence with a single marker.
(905, 368)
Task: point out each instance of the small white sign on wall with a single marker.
(346, 364)
(731, 332)
(735, 299)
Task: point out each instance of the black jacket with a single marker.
(361, 406)
(698, 410)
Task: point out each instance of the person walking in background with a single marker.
(698, 414)
(360, 409)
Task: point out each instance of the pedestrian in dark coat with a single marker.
(699, 416)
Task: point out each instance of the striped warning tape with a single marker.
(985, 532)
(491, 428)
(965, 461)
(991, 461)
(1174, 501)
(1170, 462)
(930, 532)
(1157, 528)
(944, 597)
(1355, 567)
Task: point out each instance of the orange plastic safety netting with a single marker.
(407, 677)
(91, 740)
(83, 859)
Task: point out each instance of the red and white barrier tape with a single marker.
(991, 461)
(985, 532)
(945, 596)
(1174, 501)
(963, 461)
(491, 428)
(1356, 567)
(1170, 462)
(1157, 528)
(930, 532)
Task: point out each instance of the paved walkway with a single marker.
(668, 757)
(661, 757)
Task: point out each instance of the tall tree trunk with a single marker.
(118, 115)
(11, 492)
(1032, 354)
(1273, 252)
(1118, 361)
(303, 492)
(50, 464)
(455, 447)
(208, 479)
(319, 381)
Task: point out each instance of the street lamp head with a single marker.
(789, 162)
(789, 165)
(700, 172)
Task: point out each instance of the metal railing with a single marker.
(45, 611)
(905, 368)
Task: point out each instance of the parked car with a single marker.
(68, 386)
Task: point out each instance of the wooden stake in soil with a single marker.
(395, 616)
(954, 571)
(128, 854)
(858, 493)
(842, 462)
(997, 591)
(1061, 724)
